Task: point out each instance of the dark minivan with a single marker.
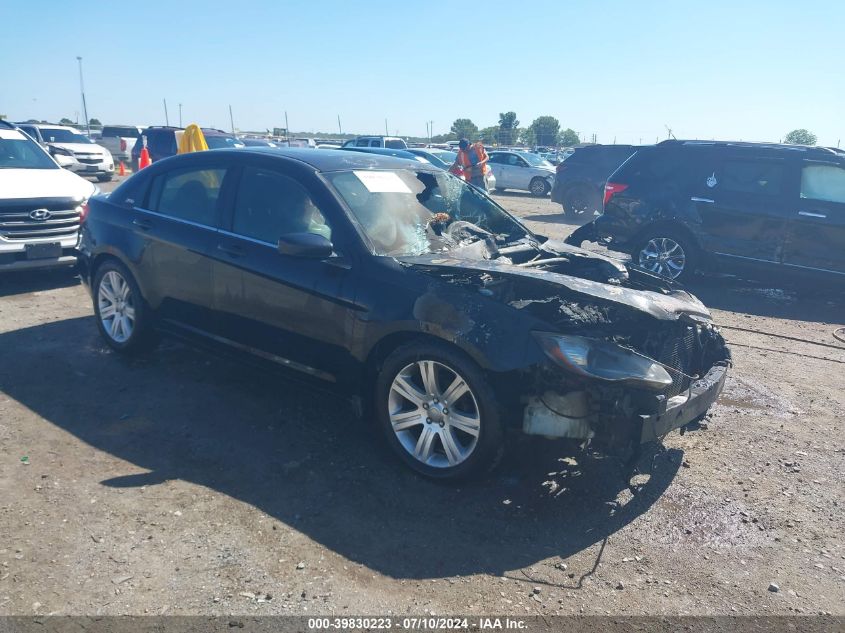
(682, 206)
(402, 285)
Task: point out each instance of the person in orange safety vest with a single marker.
(472, 159)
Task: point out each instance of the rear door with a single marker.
(178, 224)
(741, 201)
(294, 311)
(816, 235)
(502, 169)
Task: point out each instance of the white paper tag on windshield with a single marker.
(11, 135)
(382, 181)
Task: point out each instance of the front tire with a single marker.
(539, 187)
(666, 252)
(438, 413)
(119, 309)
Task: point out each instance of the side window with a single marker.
(362, 143)
(750, 176)
(823, 182)
(31, 131)
(512, 159)
(521, 162)
(497, 159)
(269, 205)
(188, 194)
(375, 143)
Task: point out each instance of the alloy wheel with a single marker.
(116, 306)
(664, 256)
(434, 414)
(538, 187)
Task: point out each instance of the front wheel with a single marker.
(119, 308)
(438, 412)
(539, 187)
(667, 253)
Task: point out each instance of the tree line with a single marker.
(544, 130)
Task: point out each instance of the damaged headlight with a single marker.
(594, 358)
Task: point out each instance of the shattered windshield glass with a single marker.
(406, 213)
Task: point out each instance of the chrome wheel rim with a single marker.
(434, 414)
(664, 256)
(116, 306)
(538, 187)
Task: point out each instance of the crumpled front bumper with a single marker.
(690, 406)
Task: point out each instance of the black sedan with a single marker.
(399, 284)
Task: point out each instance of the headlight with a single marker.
(602, 360)
(60, 151)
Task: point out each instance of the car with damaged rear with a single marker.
(394, 282)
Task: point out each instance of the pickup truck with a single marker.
(120, 139)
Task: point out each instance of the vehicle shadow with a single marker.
(775, 298)
(36, 280)
(304, 459)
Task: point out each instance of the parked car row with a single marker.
(72, 149)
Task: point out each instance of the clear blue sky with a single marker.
(749, 70)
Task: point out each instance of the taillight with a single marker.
(560, 167)
(123, 145)
(83, 212)
(611, 189)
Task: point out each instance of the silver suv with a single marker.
(522, 170)
(390, 142)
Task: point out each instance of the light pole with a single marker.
(82, 90)
(180, 115)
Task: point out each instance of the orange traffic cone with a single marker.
(144, 160)
(122, 170)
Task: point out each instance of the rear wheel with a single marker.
(539, 187)
(121, 314)
(667, 253)
(579, 200)
(438, 412)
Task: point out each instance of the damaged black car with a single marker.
(403, 286)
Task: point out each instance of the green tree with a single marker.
(65, 121)
(465, 128)
(546, 130)
(569, 137)
(526, 136)
(442, 138)
(490, 135)
(800, 137)
(508, 124)
(94, 122)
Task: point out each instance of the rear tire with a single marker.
(122, 315)
(539, 187)
(438, 413)
(580, 199)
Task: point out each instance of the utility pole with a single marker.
(82, 90)
(231, 119)
(166, 118)
(339, 128)
(287, 129)
(386, 133)
(180, 115)
(430, 131)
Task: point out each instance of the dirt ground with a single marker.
(181, 483)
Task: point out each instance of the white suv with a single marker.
(41, 205)
(72, 149)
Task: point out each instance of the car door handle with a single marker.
(706, 200)
(144, 225)
(231, 251)
(812, 214)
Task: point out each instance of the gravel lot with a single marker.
(182, 483)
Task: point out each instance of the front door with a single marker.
(743, 208)
(294, 311)
(816, 235)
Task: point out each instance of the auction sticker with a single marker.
(382, 181)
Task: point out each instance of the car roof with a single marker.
(325, 160)
(54, 126)
(812, 149)
(384, 151)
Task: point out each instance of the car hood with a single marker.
(43, 183)
(81, 148)
(632, 289)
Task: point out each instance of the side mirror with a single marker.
(308, 245)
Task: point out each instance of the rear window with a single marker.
(395, 143)
(114, 130)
